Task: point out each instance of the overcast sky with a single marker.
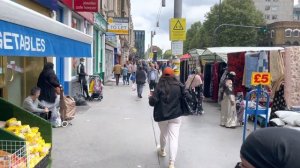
(144, 14)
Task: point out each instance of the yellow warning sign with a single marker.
(177, 29)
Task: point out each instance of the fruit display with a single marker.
(8, 160)
(36, 146)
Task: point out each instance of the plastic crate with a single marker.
(13, 154)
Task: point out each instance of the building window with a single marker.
(267, 8)
(274, 8)
(288, 43)
(268, 0)
(288, 32)
(275, 0)
(274, 17)
(267, 17)
(76, 23)
(60, 14)
(296, 33)
(272, 33)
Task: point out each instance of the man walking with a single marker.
(117, 71)
(81, 77)
(152, 77)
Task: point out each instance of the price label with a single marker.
(261, 78)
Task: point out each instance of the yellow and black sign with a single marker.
(260, 78)
(177, 29)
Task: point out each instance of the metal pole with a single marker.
(177, 8)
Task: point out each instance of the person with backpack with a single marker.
(141, 77)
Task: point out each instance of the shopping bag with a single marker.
(133, 87)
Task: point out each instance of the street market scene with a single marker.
(149, 84)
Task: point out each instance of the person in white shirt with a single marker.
(32, 104)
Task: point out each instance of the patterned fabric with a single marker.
(251, 64)
(263, 63)
(292, 76)
(278, 102)
(276, 65)
(236, 63)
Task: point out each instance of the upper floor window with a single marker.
(272, 33)
(274, 8)
(288, 32)
(275, 0)
(268, 0)
(267, 17)
(274, 17)
(296, 33)
(267, 7)
(76, 23)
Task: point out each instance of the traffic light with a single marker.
(264, 29)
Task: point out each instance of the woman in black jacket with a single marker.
(141, 77)
(48, 82)
(167, 111)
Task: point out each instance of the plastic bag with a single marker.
(133, 87)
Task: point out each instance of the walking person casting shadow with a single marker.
(166, 100)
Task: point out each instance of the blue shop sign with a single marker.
(17, 40)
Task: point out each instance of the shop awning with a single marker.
(208, 56)
(185, 57)
(24, 32)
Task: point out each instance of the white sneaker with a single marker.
(161, 152)
(171, 164)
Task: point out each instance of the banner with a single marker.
(17, 40)
(86, 5)
(118, 25)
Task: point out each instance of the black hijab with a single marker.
(273, 148)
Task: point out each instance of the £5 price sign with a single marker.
(261, 78)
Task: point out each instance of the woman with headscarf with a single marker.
(194, 84)
(49, 84)
(271, 148)
(228, 106)
(166, 100)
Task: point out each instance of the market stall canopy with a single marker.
(208, 56)
(24, 32)
(185, 57)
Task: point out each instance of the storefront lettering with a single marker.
(14, 41)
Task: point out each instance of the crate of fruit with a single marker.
(13, 154)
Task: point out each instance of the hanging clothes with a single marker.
(251, 64)
(292, 76)
(236, 63)
(215, 81)
(222, 68)
(221, 89)
(207, 80)
(276, 65)
(211, 81)
(263, 62)
(278, 102)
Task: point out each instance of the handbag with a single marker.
(186, 103)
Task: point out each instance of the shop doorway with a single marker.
(19, 75)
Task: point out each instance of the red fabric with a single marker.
(236, 63)
(215, 81)
(185, 56)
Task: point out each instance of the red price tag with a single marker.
(261, 78)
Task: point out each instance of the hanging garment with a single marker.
(276, 65)
(215, 81)
(221, 90)
(263, 63)
(278, 102)
(211, 81)
(207, 80)
(236, 63)
(222, 68)
(292, 76)
(251, 64)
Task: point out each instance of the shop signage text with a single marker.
(261, 78)
(14, 41)
(86, 5)
(118, 25)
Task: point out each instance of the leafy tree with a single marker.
(155, 48)
(167, 54)
(241, 12)
(192, 37)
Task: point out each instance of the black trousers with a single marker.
(84, 88)
(128, 76)
(117, 78)
(152, 84)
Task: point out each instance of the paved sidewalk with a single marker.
(119, 133)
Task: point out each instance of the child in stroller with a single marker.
(96, 88)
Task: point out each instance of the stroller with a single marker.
(67, 109)
(96, 88)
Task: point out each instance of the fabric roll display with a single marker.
(251, 64)
(236, 63)
(292, 76)
(276, 65)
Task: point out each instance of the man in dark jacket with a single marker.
(81, 77)
(141, 77)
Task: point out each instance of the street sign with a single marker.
(261, 78)
(177, 29)
(177, 47)
(118, 25)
